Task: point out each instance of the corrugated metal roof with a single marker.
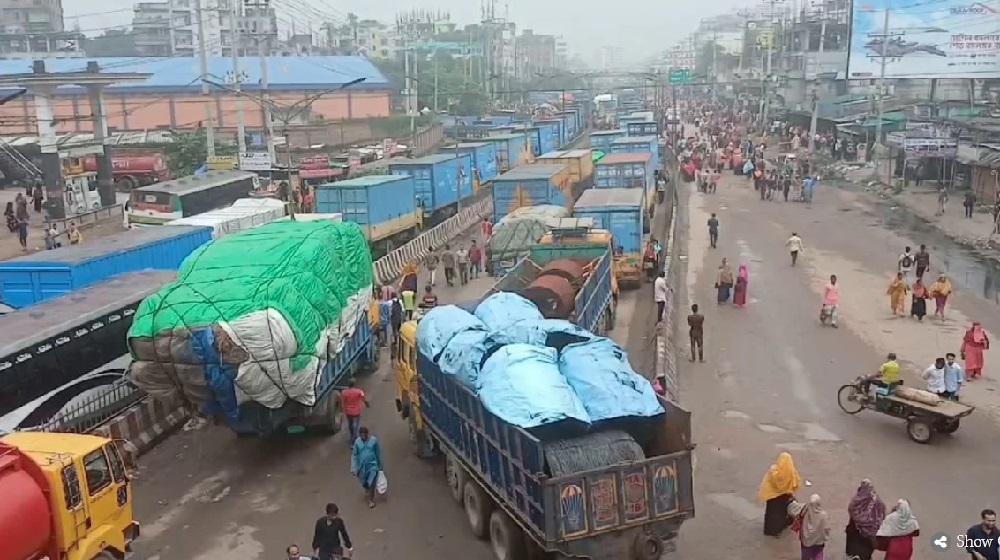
(625, 158)
(502, 137)
(184, 73)
(469, 145)
(114, 139)
(531, 172)
(598, 198)
(606, 132)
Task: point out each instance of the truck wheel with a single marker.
(478, 507)
(506, 538)
(106, 556)
(125, 184)
(334, 418)
(418, 438)
(647, 547)
(456, 478)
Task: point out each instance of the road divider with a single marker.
(666, 347)
(144, 423)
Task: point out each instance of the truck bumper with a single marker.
(131, 533)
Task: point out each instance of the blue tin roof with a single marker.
(173, 74)
(432, 159)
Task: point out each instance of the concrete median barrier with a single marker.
(666, 347)
(144, 423)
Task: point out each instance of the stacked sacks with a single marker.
(535, 372)
(254, 317)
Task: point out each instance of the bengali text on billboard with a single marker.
(929, 39)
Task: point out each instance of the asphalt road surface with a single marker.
(206, 495)
(772, 375)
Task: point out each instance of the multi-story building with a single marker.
(171, 27)
(609, 57)
(681, 56)
(535, 54)
(21, 17)
(562, 53)
(366, 37)
(65, 44)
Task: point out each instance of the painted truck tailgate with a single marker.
(602, 139)
(436, 178)
(645, 128)
(531, 185)
(618, 210)
(383, 205)
(638, 145)
(624, 170)
(512, 150)
(484, 158)
(47, 274)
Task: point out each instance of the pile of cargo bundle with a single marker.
(254, 317)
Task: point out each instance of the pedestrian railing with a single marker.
(95, 410)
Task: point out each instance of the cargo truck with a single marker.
(384, 206)
(528, 497)
(621, 212)
(65, 496)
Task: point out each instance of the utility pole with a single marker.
(815, 117)
(768, 68)
(885, 35)
(238, 77)
(170, 30)
(261, 28)
(205, 92)
(434, 54)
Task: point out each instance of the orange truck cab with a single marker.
(64, 497)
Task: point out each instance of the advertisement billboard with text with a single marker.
(925, 39)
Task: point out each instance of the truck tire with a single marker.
(125, 184)
(333, 418)
(106, 556)
(647, 547)
(478, 507)
(456, 477)
(506, 537)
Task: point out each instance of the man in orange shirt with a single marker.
(352, 402)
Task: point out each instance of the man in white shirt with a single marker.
(907, 262)
(794, 245)
(660, 294)
(934, 376)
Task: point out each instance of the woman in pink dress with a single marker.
(973, 345)
(742, 286)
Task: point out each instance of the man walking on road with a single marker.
(353, 401)
(462, 256)
(923, 261)
(983, 539)
(431, 262)
(448, 261)
(660, 294)
(713, 230)
(794, 245)
(696, 333)
(906, 264)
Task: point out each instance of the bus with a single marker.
(49, 344)
(189, 196)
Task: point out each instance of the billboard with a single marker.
(938, 39)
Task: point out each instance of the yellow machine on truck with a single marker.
(64, 497)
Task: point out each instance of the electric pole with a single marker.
(884, 37)
(261, 28)
(768, 68)
(237, 78)
(205, 92)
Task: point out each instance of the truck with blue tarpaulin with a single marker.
(384, 206)
(437, 179)
(531, 185)
(622, 211)
(484, 160)
(512, 150)
(579, 496)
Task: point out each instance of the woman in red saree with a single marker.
(973, 345)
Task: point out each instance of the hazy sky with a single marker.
(639, 27)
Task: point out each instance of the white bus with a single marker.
(189, 196)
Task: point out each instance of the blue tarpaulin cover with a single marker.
(439, 325)
(463, 355)
(522, 385)
(599, 373)
(503, 309)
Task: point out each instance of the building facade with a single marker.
(535, 54)
(23, 17)
(171, 27)
(171, 98)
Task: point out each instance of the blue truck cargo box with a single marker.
(484, 158)
(547, 134)
(383, 205)
(645, 128)
(632, 170)
(512, 150)
(560, 130)
(436, 178)
(531, 185)
(638, 144)
(534, 134)
(468, 131)
(47, 274)
(358, 350)
(618, 210)
(602, 139)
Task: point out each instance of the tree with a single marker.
(460, 92)
(188, 151)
